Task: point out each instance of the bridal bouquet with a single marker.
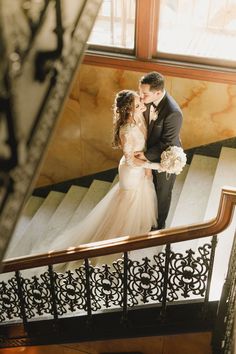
(173, 159)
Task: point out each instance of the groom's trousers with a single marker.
(163, 184)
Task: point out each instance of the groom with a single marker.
(164, 119)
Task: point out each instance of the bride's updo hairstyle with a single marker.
(123, 110)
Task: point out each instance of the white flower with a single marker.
(173, 159)
(153, 114)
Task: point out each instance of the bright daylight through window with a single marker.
(115, 24)
(198, 28)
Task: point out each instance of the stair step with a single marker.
(62, 215)
(95, 193)
(193, 199)
(38, 224)
(178, 186)
(225, 176)
(31, 207)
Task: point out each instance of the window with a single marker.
(200, 29)
(115, 25)
(184, 38)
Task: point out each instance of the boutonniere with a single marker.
(153, 114)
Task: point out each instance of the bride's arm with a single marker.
(152, 165)
(127, 145)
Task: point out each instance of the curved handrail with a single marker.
(128, 243)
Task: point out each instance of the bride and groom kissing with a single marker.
(145, 126)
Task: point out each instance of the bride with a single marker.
(130, 207)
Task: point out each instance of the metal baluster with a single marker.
(53, 292)
(211, 263)
(88, 293)
(124, 318)
(223, 330)
(165, 283)
(21, 298)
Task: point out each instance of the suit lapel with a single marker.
(150, 126)
(155, 116)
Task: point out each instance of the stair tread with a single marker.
(178, 186)
(95, 193)
(63, 213)
(29, 210)
(193, 199)
(37, 225)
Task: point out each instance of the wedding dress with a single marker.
(128, 209)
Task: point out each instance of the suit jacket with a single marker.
(164, 129)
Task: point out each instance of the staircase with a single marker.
(195, 199)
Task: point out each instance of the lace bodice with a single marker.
(133, 139)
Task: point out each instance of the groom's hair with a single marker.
(155, 80)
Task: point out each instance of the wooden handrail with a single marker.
(128, 243)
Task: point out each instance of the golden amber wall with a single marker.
(82, 142)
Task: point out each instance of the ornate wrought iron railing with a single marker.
(41, 43)
(224, 333)
(86, 289)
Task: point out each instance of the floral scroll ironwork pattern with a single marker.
(91, 288)
(146, 280)
(36, 291)
(106, 285)
(188, 273)
(70, 291)
(9, 300)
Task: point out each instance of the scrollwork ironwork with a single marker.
(104, 285)
(188, 273)
(224, 334)
(146, 280)
(9, 300)
(71, 291)
(36, 292)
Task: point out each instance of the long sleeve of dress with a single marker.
(151, 165)
(128, 144)
(128, 137)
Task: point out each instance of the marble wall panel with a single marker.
(82, 142)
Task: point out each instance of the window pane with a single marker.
(200, 28)
(115, 24)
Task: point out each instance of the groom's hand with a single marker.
(140, 155)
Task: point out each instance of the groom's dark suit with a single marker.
(163, 131)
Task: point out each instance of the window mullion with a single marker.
(145, 14)
(155, 26)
